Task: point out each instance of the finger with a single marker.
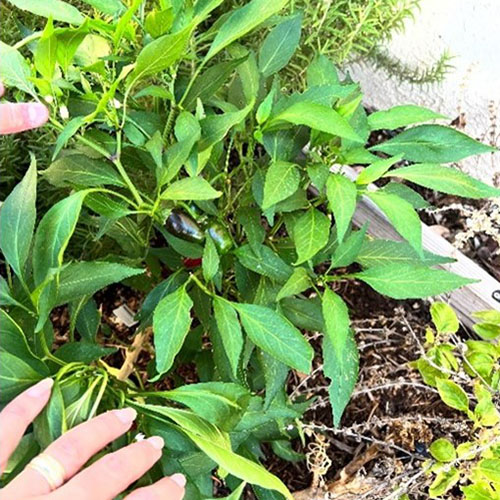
(171, 488)
(2, 90)
(112, 474)
(73, 450)
(18, 414)
(24, 116)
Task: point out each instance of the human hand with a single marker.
(56, 475)
(18, 117)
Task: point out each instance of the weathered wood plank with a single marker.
(475, 297)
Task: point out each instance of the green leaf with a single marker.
(490, 468)
(337, 323)
(85, 278)
(275, 375)
(215, 127)
(210, 81)
(318, 117)
(311, 233)
(452, 394)
(478, 492)
(15, 70)
(443, 450)
(46, 52)
(68, 41)
(236, 494)
(56, 9)
(80, 170)
(347, 252)
(402, 216)
(342, 372)
(83, 352)
(434, 144)
(264, 262)
(376, 170)
(161, 53)
(318, 173)
(297, 283)
(53, 234)
(102, 204)
(17, 221)
(171, 322)
(211, 260)
(69, 130)
(445, 179)
(341, 193)
(88, 320)
(110, 7)
(322, 71)
(408, 194)
(16, 376)
(279, 45)
(222, 404)
(401, 116)
(265, 107)
(51, 422)
(444, 318)
(376, 253)
(407, 281)
(190, 188)
(159, 22)
(304, 313)
(249, 218)
(230, 331)
(282, 180)
(445, 480)
(276, 336)
(125, 21)
(242, 21)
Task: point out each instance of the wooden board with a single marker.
(475, 297)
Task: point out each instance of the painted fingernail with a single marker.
(38, 114)
(179, 479)
(156, 442)
(125, 416)
(41, 389)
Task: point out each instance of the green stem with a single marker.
(28, 39)
(128, 182)
(201, 285)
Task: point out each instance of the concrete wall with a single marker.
(470, 30)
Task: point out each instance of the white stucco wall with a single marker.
(470, 31)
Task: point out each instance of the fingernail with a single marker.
(156, 442)
(179, 479)
(41, 389)
(126, 416)
(37, 114)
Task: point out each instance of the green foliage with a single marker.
(182, 172)
(475, 463)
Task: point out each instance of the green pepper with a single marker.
(184, 227)
(221, 236)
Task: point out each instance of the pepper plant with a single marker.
(190, 173)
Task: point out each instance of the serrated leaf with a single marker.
(406, 281)
(69, 130)
(322, 71)
(376, 170)
(443, 450)
(230, 331)
(243, 20)
(452, 394)
(16, 376)
(342, 372)
(53, 234)
(337, 323)
(275, 335)
(446, 180)
(385, 252)
(171, 323)
(433, 143)
(190, 188)
(401, 116)
(279, 45)
(490, 468)
(341, 193)
(211, 260)
(347, 252)
(17, 221)
(15, 70)
(56, 9)
(249, 218)
(297, 283)
(264, 262)
(408, 194)
(311, 233)
(80, 170)
(46, 52)
(444, 318)
(282, 180)
(445, 480)
(402, 216)
(318, 117)
(304, 313)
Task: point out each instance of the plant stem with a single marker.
(201, 285)
(133, 353)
